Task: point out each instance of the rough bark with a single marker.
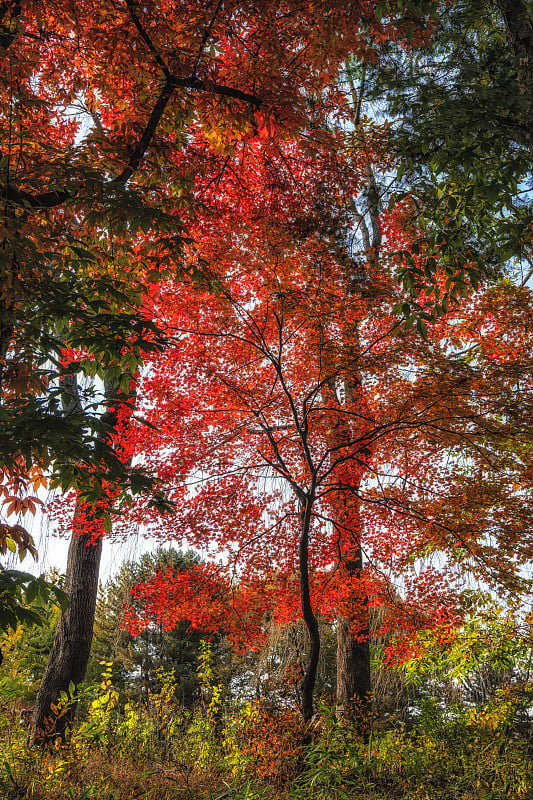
(69, 656)
(71, 648)
(353, 672)
(353, 630)
(354, 699)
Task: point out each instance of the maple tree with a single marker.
(98, 100)
(137, 662)
(391, 444)
(210, 150)
(473, 508)
(312, 478)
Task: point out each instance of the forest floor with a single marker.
(132, 754)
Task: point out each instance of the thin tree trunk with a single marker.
(309, 679)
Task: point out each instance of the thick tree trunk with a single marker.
(353, 674)
(70, 652)
(67, 663)
(354, 701)
(353, 630)
(349, 442)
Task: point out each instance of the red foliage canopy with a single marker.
(294, 379)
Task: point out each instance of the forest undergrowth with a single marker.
(121, 749)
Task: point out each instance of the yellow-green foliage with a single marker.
(491, 636)
(449, 754)
(101, 719)
(145, 728)
(202, 742)
(158, 749)
(235, 730)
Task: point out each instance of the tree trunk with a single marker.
(309, 679)
(354, 701)
(71, 648)
(353, 628)
(67, 663)
(353, 675)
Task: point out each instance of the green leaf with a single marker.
(32, 590)
(421, 327)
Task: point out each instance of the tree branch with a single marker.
(58, 197)
(147, 135)
(148, 42)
